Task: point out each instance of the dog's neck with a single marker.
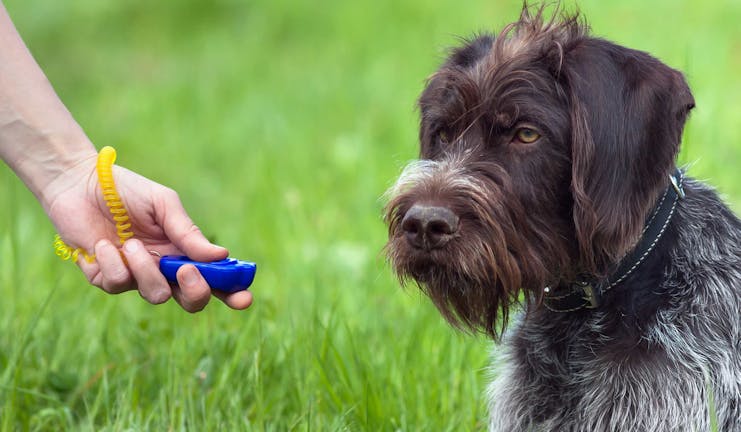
(586, 292)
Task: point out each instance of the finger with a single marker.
(192, 293)
(91, 269)
(116, 277)
(183, 233)
(153, 287)
(238, 300)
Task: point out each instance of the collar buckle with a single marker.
(591, 295)
(582, 294)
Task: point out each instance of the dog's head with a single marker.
(542, 151)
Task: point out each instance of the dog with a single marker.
(547, 181)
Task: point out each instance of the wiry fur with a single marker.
(663, 350)
(633, 368)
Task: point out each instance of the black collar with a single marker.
(587, 292)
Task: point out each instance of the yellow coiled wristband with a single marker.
(104, 168)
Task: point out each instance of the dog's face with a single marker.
(541, 153)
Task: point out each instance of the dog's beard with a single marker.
(485, 268)
(465, 282)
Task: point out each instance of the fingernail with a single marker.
(190, 277)
(101, 243)
(131, 246)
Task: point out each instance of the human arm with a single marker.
(43, 144)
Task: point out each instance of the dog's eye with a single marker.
(443, 137)
(527, 135)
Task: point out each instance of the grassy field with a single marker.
(280, 122)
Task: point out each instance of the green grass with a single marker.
(280, 123)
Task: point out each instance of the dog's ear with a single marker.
(627, 115)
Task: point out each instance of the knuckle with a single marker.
(197, 307)
(170, 194)
(115, 287)
(94, 279)
(194, 301)
(118, 278)
(107, 289)
(193, 308)
(156, 297)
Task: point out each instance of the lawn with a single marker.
(280, 123)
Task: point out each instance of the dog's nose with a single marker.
(429, 227)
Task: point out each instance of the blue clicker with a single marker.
(228, 275)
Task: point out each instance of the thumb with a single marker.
(183, 233)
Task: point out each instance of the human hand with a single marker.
(161, 225)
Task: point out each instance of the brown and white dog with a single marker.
(547, 179)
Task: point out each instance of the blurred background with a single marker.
(281, 123)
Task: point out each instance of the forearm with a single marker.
(39, 139)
